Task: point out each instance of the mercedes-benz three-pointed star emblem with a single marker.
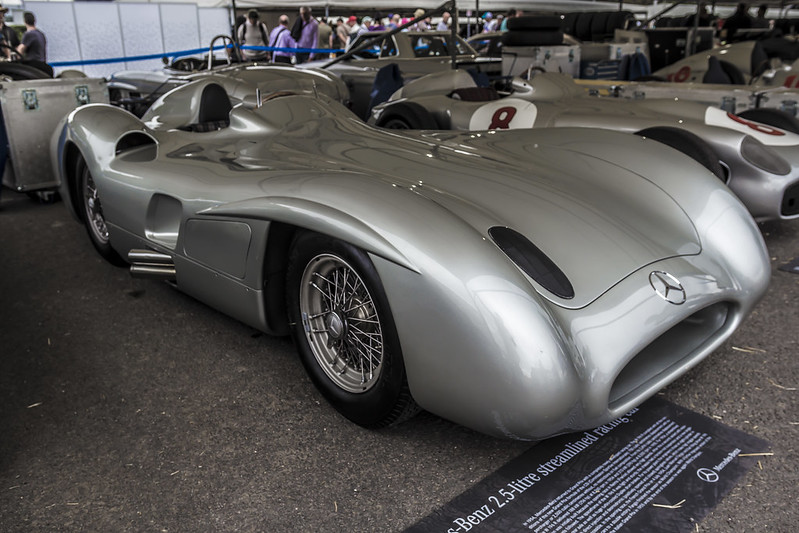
(667, 287)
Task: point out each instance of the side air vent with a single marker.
(532, 261)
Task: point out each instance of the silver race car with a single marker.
(753, 152)
(136, 90)
(523, 284)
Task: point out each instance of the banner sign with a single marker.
(658, 468)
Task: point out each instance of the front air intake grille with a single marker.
(664, 354)
(790, 201)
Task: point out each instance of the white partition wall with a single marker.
(213, 22)
(98, 30)
(181, 26)
(141, 35)
(57, 21)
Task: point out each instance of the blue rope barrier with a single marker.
(182, 53)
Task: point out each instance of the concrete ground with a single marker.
(126, 405)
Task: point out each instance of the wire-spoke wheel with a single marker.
(341, 324)
(344, 331)
(92, 214)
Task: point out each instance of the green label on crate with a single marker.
(82, 94)
(30, 100)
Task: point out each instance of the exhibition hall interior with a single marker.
(482, 266)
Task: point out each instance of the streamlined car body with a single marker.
(523, 283)
(759, 161)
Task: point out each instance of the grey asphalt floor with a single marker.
(126, 405)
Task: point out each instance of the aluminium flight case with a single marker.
(31, 110)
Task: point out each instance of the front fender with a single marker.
(304, 213)
(93, 130)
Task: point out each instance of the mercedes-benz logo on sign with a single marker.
(707, 475)
(667, 287)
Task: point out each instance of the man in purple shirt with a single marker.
(281, 38)
(309, 35)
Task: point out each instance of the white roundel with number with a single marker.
(504, 114)
(764, 133)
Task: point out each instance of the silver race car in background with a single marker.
(523, 283)
(412, 54)
(753, 152)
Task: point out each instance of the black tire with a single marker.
(772, 117)
(91, 212)
(690, 144)
(19, 71)
(407, 116)
(335, 358)
(552, 22)
(532, 38)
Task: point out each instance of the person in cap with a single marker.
(254, 33)
(7, 34)
(490, 24)
(352, 24)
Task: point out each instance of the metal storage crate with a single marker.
(31, 110)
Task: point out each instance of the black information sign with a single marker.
(659, 468)
(793, 266)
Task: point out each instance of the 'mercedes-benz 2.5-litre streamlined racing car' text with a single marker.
(523, 283)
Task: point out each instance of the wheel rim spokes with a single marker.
(341, 323)
(94, 211)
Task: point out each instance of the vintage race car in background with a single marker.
(415, 53)
(522, 283)
(136, 90)
(756, 153)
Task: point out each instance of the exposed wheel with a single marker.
(690, 144)
(407, 116)
(344, 331)
(92, 214)
(772, 117)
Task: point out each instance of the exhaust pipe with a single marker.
(150, 264)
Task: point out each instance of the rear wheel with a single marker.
(92, 213)
(690, 144)
(344, 331)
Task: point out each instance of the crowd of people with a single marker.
(293, 42)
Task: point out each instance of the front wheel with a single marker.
(92, 214)
(407, 116)
(344, 331)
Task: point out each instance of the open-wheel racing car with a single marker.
(522, 283)
(755, 152)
